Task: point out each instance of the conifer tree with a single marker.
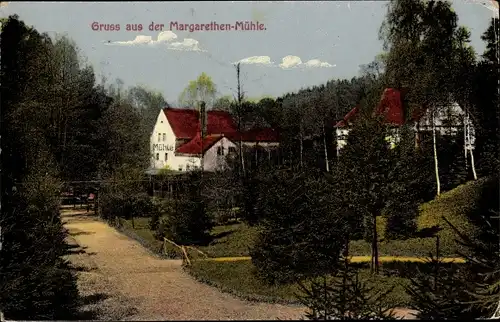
(189, 223)
(300, 225)
(407, 185)
(343, 296)
(473, 289)
(364, 165)
(482, 253)
(36, 282)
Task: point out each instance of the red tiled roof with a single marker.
(390, 107)
(195, 145)
(185, 122)
(186, 125)
(349, 117)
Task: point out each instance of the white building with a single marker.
(446, 122)
(176, 142)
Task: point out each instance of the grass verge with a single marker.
(140, 232)
(238, 279)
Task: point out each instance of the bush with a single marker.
(441, 293)
(118, 205)
(300, 234)
(343, 296)
(36, 282)
(252, 190)
(189, 223)
(225, 216)
(160, 208)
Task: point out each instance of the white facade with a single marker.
(215, 158)
(163, 155)
(454, 114)
(162, 147)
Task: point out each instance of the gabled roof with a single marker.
(185, 122)
(390, 108)
(194, 147)
(349, 117)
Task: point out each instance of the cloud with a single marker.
(256, 60)
(188, 44)
(165, 38)
(289, 62)
(318, 63)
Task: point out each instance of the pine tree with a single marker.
(251, 194)
(363, 169)
(485, 104)
(473, 290)
(440, 293)
(36, 282)
(408, 183)
(300, 226)
(483, 250)
(189, 223)
(344, 297)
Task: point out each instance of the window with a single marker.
(220, 150)
(166, 156)
(159, 137)
(180, 168)
(232, 149)
(164, 135)
(157, 156)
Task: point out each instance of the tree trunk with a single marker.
(472, 164)
(301, 146)
(468, 145)
(436, 276)
(465, 142)
(256, 156)
(436, 166)
(417, 136)
(327, 166)
(375, 262)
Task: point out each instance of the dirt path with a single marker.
(123, 281)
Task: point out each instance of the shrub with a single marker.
(189, 223)
(160, 208)
(344, 297)
(441, 292)
(301, 234)
(36, 282)
(252, 190)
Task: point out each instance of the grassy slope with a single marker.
(238, 278)
(234, 240)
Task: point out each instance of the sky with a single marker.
(300, 44)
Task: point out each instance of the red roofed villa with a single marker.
(176, 140)
(447, 121)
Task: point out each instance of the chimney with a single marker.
(203, 119)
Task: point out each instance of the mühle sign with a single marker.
(162, 147)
